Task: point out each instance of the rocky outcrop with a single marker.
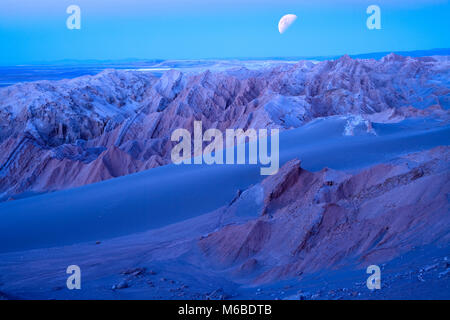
(61, 134)
(331, 219)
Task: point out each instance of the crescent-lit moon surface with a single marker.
(285, 22)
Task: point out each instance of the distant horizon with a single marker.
(113, 30)
(360, 55)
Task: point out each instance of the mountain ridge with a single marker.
(61, 134)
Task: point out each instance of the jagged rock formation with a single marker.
(331, 219)
(61, 134)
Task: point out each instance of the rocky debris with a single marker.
(304, 296)
(62, 134)
(132, 276)
(134, 272)
(430, 267)
(300, 295)
(121, 285)
(444, 274)
(218, 294)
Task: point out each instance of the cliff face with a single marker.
(61, 134)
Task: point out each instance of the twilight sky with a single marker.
(35, 30)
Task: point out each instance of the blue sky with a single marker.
(35, 31)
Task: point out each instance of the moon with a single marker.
(285, 22)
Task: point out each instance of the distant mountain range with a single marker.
(416, 53)
(137, 61)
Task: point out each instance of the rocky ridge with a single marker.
(62, 134)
